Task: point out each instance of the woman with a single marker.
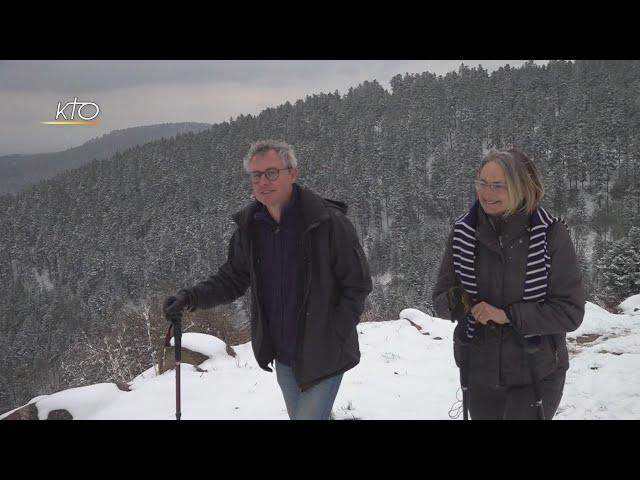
(510, 277)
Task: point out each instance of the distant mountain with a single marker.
(19, 171)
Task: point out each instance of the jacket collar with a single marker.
(314, 209)
(504, 229)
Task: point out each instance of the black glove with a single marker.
(173, 306)
(460, 303)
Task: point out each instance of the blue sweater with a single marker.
(282, 275)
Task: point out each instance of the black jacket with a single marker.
(336, 283)
(497, 355)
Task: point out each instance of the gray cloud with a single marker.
(89, 76)
(132, 93)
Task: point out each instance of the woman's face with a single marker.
(493, 193)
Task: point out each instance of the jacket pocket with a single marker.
(339, 328)
(545, 359)
(547, 352)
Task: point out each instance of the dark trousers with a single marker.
(515, 403)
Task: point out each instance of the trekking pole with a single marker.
(531, 346)
(177, 334)
(538, 399)
(459, 299)
(464, 383)
(176, 326)
(467, 337)
(465, 343)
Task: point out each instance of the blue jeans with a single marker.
(312, 404)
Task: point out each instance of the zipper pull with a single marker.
(500, 241)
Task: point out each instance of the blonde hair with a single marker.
(524, 185)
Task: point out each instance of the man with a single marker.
(309, 279)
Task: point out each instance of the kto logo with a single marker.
(85, 119)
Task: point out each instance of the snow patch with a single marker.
(631, 306)
(43, 281)
(81, 402)
(404, 373)
(383, 279)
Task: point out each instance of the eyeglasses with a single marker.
(271, 174)
(498, 187)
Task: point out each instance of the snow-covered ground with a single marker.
(405, 373)
(603, 381)
(631, 306)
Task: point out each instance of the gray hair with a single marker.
(523, 181)
(282, 149)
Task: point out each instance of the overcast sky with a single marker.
(134, 93)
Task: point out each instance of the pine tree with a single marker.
(620, 268)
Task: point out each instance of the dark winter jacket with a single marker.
(336, 284)
(496, 355)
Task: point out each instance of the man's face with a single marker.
(272, 193)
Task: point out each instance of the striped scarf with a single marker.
(538, 259)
